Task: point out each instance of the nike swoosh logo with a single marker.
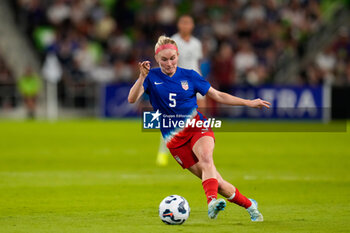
(158, 83)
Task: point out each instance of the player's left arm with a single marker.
(224, 98)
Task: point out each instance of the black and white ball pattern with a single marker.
(174, 210)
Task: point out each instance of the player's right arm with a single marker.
(137, 89)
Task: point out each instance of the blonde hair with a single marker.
(163, 40)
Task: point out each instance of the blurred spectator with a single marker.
(223, 70)
(257, 75)
(191, 49)
(205, 63)
(190, 46)
(103, 73)
(326, 61)
(294, 14)
(29, 86)
(58, 12)
(78, 12)
(272, 14)
(254, 12)
(245, 59)
(7, 86)
(223, 27)
(123, 71)
(104, 27)
(84, 57)
(341, 49)
(119, 46)
(166, 16)
(331, 65)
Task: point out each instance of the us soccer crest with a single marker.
(184, 85)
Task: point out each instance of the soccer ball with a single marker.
(174, 210)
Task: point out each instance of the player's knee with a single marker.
(207, 159)
(206, 164)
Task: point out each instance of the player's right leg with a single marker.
(232, 194)
(203, 149)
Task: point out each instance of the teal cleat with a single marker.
(215, 206)
(254, 213)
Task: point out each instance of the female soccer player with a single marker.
(172, 92)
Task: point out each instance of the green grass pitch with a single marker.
(100, 176)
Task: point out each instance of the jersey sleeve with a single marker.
(200, 84)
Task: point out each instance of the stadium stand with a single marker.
(101, 42)
(8, 92)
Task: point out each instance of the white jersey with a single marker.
(190, 52)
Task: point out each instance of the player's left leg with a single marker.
(203, 149)
(232, 194)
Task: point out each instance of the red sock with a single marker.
(240, 200)
(210, 187)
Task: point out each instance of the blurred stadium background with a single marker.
(91, 48)
(77, 59)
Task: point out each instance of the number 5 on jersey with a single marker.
(172, 100)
